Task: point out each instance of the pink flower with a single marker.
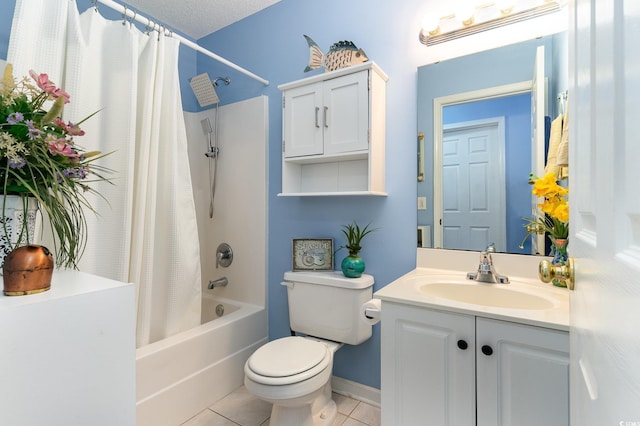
(47, 86)
(70, 128)
(60, 147)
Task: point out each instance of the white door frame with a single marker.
(438, 106)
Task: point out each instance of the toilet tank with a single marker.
(328, 305)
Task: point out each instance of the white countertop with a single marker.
(406, 290)
(64, 283)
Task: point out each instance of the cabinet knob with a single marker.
(463, 344)
(487, 350)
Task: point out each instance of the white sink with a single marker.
(494, 295)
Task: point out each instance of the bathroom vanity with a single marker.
(461, 352)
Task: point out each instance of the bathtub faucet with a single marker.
(220, 282)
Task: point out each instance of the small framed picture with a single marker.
(313, 254)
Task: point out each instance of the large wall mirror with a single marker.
(484, 120)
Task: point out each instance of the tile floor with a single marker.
(240, 408)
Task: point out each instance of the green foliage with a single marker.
(354, 235)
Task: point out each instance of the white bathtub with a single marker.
(178, 377)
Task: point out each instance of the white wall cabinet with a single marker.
(334, 133)
(447, 368)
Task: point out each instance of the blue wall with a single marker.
(517, 113)
(6, 16)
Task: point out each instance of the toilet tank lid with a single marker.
(331, 278)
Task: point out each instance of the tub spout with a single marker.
(220, 282)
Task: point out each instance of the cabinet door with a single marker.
(302, 121)
(427, 379)
(346, 113)
(522, 375)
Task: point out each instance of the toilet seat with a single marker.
(288, 360)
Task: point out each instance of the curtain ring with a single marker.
(132, 19)
(147, 28)
(124, 15)
(95, 5)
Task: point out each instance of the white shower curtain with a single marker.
(146, 231)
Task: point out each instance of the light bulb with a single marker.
(505, 6)
(464, 14)
(430, 24)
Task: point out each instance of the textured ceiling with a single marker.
(198, 18)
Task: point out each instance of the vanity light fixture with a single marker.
(483, 17)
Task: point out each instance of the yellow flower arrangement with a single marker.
(555, 204)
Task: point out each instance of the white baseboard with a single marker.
(356, 390)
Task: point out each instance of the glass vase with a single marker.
(19, 223)
(560, 257)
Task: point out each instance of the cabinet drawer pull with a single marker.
(326, 121)
(463, 344)
(487, 350)
(317, 111)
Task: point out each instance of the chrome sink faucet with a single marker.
(486, 272)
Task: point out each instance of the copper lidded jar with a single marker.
(27, 270)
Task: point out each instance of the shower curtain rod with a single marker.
(149, 23)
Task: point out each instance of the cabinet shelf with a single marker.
(329, 158)
(332, 194)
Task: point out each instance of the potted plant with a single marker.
(353, 265)
(42, 165)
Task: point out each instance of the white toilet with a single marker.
(294, 373)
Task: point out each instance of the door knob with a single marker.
(547, 272)
(463, 344)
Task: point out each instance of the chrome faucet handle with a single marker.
(224, 255)
(486, 272)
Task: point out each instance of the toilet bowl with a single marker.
(293, 374)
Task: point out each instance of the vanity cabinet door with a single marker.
(522, 374)
(428, 367)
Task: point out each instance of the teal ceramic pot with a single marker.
(352, 266)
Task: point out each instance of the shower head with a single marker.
(206, 126)
(204, 90)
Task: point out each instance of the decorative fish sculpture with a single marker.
(341, 55)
